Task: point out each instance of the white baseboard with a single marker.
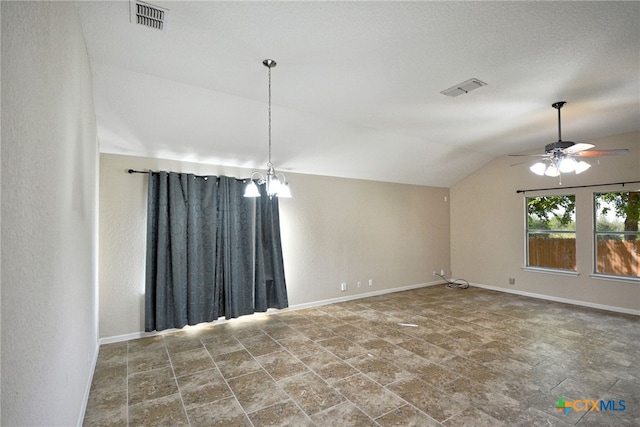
(558, 299)
(359, 296)
(136, 335)
(87, 389)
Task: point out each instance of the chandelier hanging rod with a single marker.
(275, 182)
(269, 63)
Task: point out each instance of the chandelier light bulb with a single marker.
(251, 190)
(582, 166)
(552, 171)
(284, 190)
(538, 168)
(567, 165)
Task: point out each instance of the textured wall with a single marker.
(487, 226)
(49, 226)
(333, 229)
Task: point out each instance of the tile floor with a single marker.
(425, 357)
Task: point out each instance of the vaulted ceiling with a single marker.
(356, 92)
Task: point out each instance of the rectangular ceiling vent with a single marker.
(464, 87)
(148, 15)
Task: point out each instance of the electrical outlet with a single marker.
(343, 286)
(370, 282)
(442, 272)
(435, 273)
(512, 280)
(359, 283)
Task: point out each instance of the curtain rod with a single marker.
(578, 186)
(197, 176)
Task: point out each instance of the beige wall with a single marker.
(487, 227)
(49, 208)
(333, 230)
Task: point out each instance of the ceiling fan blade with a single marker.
(580, 146)
(521, 163)
(528, 155)
(596, 153)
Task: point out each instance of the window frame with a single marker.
(542, 269)
(595, 233)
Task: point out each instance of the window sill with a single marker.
(611, 278)
(551, 271)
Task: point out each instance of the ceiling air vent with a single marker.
(148, 15)
(464, 87)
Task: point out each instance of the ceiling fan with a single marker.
(564, 156)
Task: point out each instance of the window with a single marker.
(617, 240)
(551, 232)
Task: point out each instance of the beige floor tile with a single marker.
(150, 385)
(203, 387)
(435, 374)
(379, 369)
(191, 361)
(164, 411)
(145, 360)
(475, 356)
(113, 354)
(106, 418)
(221, 413)
(182, 341)
(472, 417)
(427, 350)
(256, 391)
(406, 416)
(281, 414)
(329, 367)
(369, 396)
(430, 400)
(344, 415)
(311, 393)
(280, 331)
(281, 364)
(342, 347)
(534, 417)
(313, 332)
(221, 343)
(259, 345)
(144, 344)
(236, 363)
(300, 347)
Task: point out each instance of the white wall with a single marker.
(49, 226)
(487, 227)
(333, 229)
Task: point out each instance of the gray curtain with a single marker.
(269, 291)
(208, 255)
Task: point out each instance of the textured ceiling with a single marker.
(356, 92)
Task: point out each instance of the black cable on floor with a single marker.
(454, 284)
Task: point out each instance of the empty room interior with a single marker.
(320, 213)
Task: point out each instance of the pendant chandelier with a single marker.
(276, 183)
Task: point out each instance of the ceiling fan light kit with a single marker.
(560, 156)
(276, 183)
(566, 165)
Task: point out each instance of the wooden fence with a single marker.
(618, 257)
